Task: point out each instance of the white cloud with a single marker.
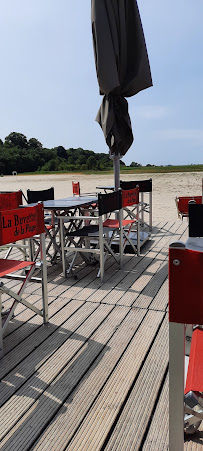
(180, 134)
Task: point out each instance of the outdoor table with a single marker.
(106, 188)
(67, 203)
(67, 207)
(195, 244)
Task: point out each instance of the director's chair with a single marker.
(10, 200)
(182, 203)
(145, 203)
(22, 223)
(130, 198)
(99, 238)
(93, 239)
(51, 223)
(185, 329)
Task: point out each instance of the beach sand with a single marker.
(165, 187)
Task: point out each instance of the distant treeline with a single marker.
(19, 154)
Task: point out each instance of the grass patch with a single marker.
(129, 170)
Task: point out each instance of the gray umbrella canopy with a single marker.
(122, 67)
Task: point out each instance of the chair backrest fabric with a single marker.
(145, 186)
(42, 195)
(195, 220)
(182, 203)
(130, 197)
(194, 381)
(185, 286)
(21, 223)
(76, 188)
(10, 200)
(109, 202)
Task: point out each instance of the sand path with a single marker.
(165, 187)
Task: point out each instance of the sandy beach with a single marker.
(165, 187)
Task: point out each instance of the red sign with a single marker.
(130, 197)
(21, 223)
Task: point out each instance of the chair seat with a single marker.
(85, 231)
(9, 266)
(195, 369)
(114, 223)
(49, 227)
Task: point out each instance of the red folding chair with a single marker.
(185, 308)
(76, 188)
(18, 224)
(145, 203)
(76, 192)
(182, 204)
(9, 201)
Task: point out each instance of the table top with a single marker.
(195, 244)
(67, 203)
(105, 187)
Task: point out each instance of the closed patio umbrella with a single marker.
(122, 67)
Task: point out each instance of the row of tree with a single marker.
(17, 153)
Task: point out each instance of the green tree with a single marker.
(16, 140)
(61, 152)
(92, 162)
(33, 143)
(135, 165)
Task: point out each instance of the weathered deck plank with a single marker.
(158, 433)
(95, 376)
(79, 402)
(129, 432)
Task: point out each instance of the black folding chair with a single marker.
(40, 195)
(95, 238)
(145, 189)
(49, 220)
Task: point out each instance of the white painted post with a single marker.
(150, 210)
(44, 278)
(176, 386)
(121, 237)
(1, 331)
(101, 246)
(62, 238)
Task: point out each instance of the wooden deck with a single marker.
(95, 377)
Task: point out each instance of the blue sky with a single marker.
(49, 88)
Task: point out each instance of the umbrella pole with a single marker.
(116, 166)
